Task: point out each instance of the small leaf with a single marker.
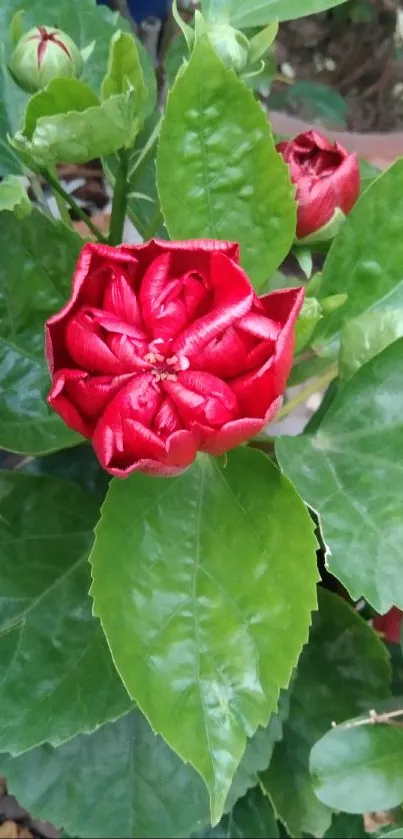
(311, 313)
(220, 133)
(189, 619)
(124, 72)
(75, 137)
(347, 826)
(359, 769)
(366, 257)
(59, 97)
(350, 472)
(364, 337)
(13, 197)
(56, 674)
(343, 670)
(262, 41)
(154, 793)
(38, 257)
(16, 28)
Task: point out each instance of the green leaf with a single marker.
(78, 464)
(125, 74)
(37, 261)
(56, 674)
(350, 472)
(341, 672)
(13, 197)
(393, 833)
(364, 337)
(346, 826)
(9, 92)
(259, 12)
(315, 101)
(188, 619)
(154, 793)
(258, 753)
(221, 135)
(123, 67)
(262, 41)
(310, 315)
(359, 768)
(76, 137)
(252, 816)
(59, 97)
(366, 257)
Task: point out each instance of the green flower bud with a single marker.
(43, 54)
(230, 45)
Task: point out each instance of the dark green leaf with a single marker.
(9, 92)
(366, 257)
(207, 601)
(37, 259)
(78, 464)
(341, 672)
(350, 472)
(359, 769)
(364, 337)
(258, 752)
(314, 101)
(221, 135)
(56, 674)
(252, 816)
(391, 833)
(121, 781)
(244, 13)
(346, 826)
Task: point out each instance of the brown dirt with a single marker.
(361, 59)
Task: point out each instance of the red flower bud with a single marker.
(43, 54)
(389, 625)
(327, 178)
(164, 349)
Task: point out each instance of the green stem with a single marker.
(58, 189)
(316, 385)
(63, 210)
(119, 203)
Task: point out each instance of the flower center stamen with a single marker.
(166, 368)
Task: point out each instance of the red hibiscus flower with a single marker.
(165, 349)
(327, 178)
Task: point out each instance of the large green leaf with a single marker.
(221, 135)
(244, 13)
(121, 781)
(341, 672)
(359, 769)
(207, 602)
(350, 472)
(37, 259)
(366, 336)
(252, 816)
(56, 674)
(365, 259)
